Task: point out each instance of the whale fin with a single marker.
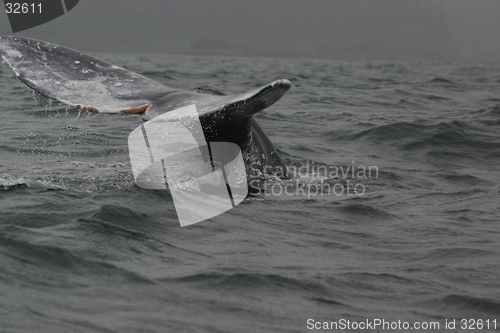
(226, 118)
(248, 104)
(217, 105)
(91, 84)
(78, 79)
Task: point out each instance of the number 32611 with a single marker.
(23, 8)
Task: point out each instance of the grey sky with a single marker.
(429, 30)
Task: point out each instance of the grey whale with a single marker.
(87, 83)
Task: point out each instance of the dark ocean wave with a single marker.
(456, 253)
(442, 80)
(478, 305)
(117, 219)
(457, 136)
(51, 260)
(365, 211)
(221, 281)
(463, 179)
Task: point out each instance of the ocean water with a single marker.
(415, 237)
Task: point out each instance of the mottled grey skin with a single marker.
(85, 82)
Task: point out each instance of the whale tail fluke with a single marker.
(78, 79)
(256, 100)
(88, 83)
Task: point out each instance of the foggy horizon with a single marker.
(420, 30)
